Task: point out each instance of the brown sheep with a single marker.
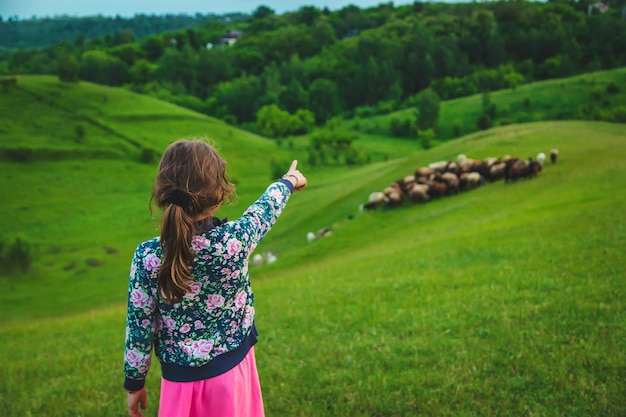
(515, 169)
(452, 180)
(554, 155)
(419, 193)
(497, 171)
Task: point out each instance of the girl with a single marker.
(189, 294)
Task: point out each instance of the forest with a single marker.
(282, 75)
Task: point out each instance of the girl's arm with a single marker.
(140, 318)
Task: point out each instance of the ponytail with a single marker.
(177, 229)
(190, 185)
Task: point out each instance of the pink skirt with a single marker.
(236, 393)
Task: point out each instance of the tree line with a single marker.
(285, 74)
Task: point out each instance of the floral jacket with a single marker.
(218, 311)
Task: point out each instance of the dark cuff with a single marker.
(287, 183)
(133, 384)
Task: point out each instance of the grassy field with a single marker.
(506, 300)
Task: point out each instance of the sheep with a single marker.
(533, 168)
(394, 194)
(265, 258)
(419, 193)
(312, 237)
(375, 199)
(497, 171)
(423, 172)
(257, 259)
(541, 158)
(470, 180)
(438, 166)
(554, 155)
(452, 180)
(515, 169)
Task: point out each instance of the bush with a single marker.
(17, 257)
(484, 122)
(426, 138)
(457, 127)
(619, 113)
(147, 156)
(612, 88)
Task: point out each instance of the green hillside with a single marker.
(509, 297)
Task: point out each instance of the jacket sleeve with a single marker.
(259, 218)
(140, 318)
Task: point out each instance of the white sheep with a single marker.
(257, 259)
(541, 158)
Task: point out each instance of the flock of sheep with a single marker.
(444, 178)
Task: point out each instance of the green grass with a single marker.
(506, 300)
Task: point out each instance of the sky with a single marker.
(25, 9)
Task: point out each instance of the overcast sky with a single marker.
(41, 8)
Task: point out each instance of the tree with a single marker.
(427, 109)
(68, 68)
(272, 122)
(323, 99)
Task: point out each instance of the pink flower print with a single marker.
(146, 323)
(235, 274)
(194, 289)
(151, 262)
(134, 358)
(133, 270)
(248, 317)
(201, 348)
(169, 322)
(138, 298)
(198, 325)
(218, 248)
(233, 246)
(187, 349)
(277, 195)
(240, 300)
(199, 242)
(215, 301)
(184, 328)
(219, 350)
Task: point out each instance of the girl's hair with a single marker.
(190, 184)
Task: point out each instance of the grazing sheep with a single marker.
(257, 259)
(474, 180)
(452, 180)
(554, 155)
(541, 158)
(438, 189)
(322, 233)
(461, 158)
(394, 194)
(438, 166)
(496, 171)
(419, 193)
(375, 199)
(533, 168)
(515, 169)
(423, 172)
(270, 257)
(490, 161)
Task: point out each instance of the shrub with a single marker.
(147, 156)
(17, 257)
(484, 122)
(457, 127)
(612, 88)
(426, 138)
(619, 113)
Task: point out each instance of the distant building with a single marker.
(230, 37)
(600, 6)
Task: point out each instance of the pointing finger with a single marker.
(294, 164)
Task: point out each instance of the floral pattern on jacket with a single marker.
(218, 310)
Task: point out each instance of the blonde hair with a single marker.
(191, 183)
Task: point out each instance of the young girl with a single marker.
(189, 294)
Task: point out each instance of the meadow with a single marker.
(504, 301)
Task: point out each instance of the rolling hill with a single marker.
(509, 297)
